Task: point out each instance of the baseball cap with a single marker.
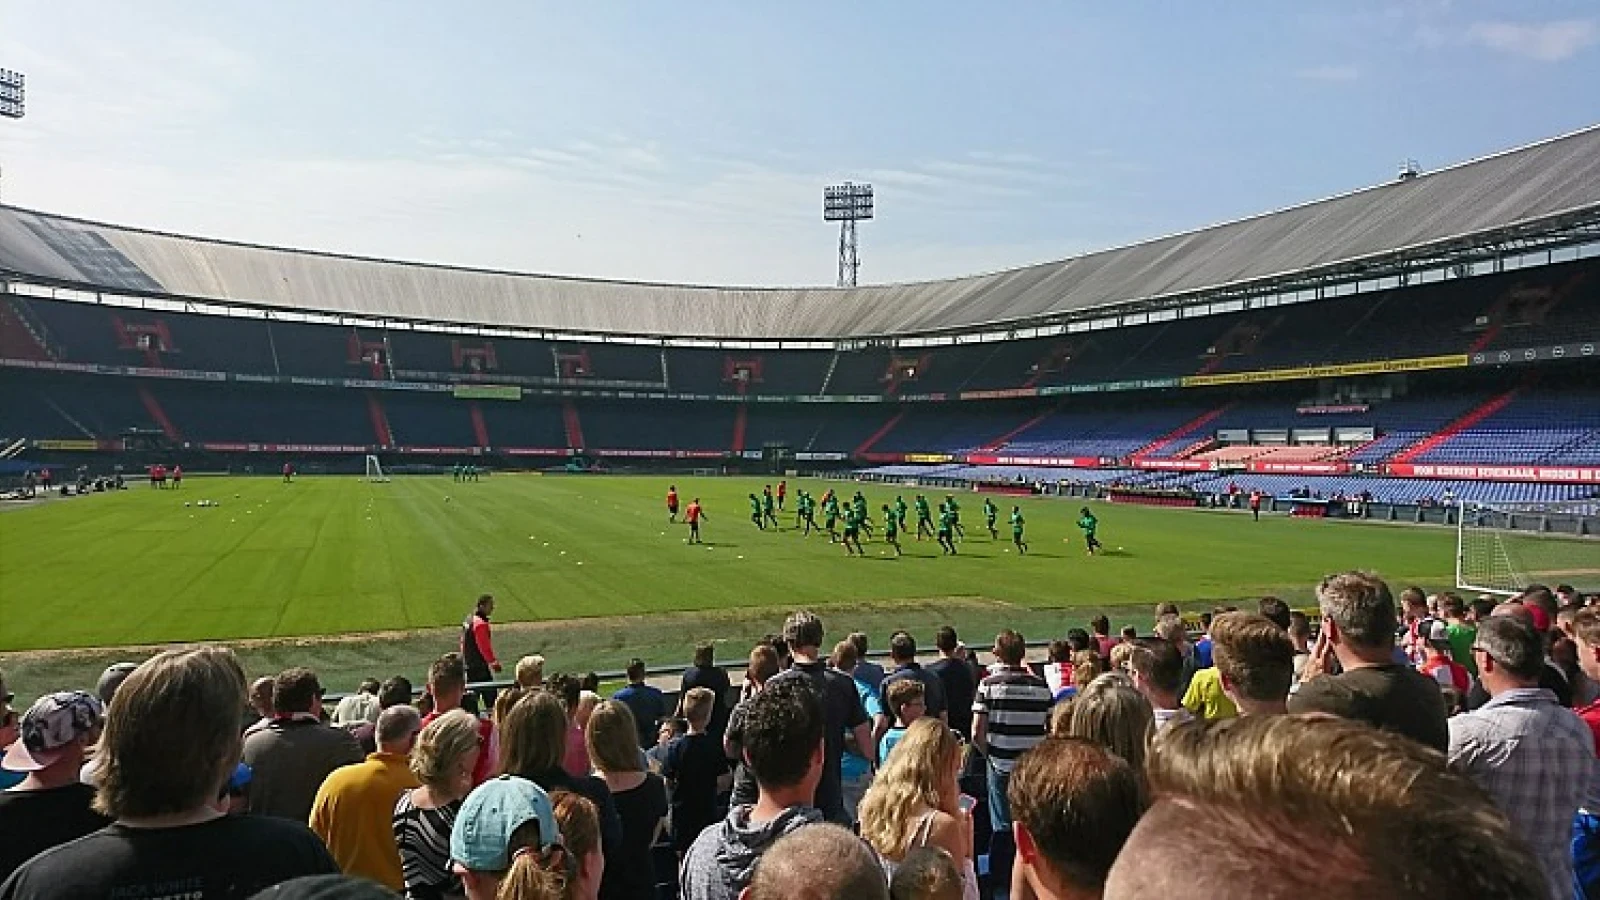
(491, 813)
(112, 678)
(51, 723)
(1541, 619)
(1439, 632)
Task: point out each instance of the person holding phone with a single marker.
(916, 801)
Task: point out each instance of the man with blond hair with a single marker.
(1358, 631)
(353, 808)
(1256, 797)
(171, 741)
(530, 672)
(1254, 659)
(694, 767)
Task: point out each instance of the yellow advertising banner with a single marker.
(1377, 367)
(66, 445)
(929, 458)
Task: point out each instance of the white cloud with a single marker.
(1329, 73)
(1546, 42)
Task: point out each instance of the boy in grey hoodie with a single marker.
(782, 746)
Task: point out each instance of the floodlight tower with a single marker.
(12, 93)
(847, 204)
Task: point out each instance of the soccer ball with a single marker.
(447, 498)
(185, 504)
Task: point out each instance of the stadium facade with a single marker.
(1440, 330)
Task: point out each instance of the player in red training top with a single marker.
(1255, 504)
(288, 472)
(177, 476)
(783, 491)
(693, 515)
(672, 503)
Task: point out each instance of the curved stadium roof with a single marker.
(1537, 185)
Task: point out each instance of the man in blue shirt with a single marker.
(866, 671)
(647, 704)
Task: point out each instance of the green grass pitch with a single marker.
(328, 556)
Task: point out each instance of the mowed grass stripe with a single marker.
(339, 555)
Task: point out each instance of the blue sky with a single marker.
(690, 141)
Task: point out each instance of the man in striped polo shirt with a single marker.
(1010, 713)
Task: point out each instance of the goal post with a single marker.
(375, 469)
(1503, 548)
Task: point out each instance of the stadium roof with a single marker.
(1477, 203)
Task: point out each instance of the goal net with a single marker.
(1502, 549)
(375, 469)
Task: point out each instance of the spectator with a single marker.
(353, 809)
(261, 703)
(1586, 634)
(575, 757)
(170, 743)
(1075, 804)
(1171, 630)
(1275, 611)
(1009, 715)
(1532, 757)
(477, 647)
(840, 703)
(360, 708)
(1413, 613)
(532, 744)
(1254, 660)
(1101, 626)
(394, 691)
(590, 683)
(1129, 634)
(763, 665)
(647, 704)
(784, 745)
(1086, 667)
(1460, 632)
(578, 822)
(51, 806)
(1300, 637)
(8, 733)
(916, 801)
(1551, 677)
(447, 684)
(1078, 641)
(1358, 629)
(903, 653)
(907, 704)
(1202, 647)
(505, 842)
(289, 758)
(927, 873)
(111, 679)
(1157, 671)
(640, 796)
(1059, 670)
(587, 701)
(1440, 665)
(1255, 797)
(825, 862)
(694, 766)
(442, 760)
(1112, 713)
(956, 679)
(1205, 697)
(672, 728)
(529, 672)
(855, 771)
(707, 674)
(866, 670)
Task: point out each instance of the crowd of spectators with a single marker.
(1424, 745)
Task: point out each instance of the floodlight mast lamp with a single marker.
(13, 90)
(847, 204)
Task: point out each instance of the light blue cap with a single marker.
(491, 813)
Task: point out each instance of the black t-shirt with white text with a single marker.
(32, 822)
(224, 858)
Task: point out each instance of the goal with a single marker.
(1503, 548)
(375, 469)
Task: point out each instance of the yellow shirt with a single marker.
(353, 814)
(1205, 697)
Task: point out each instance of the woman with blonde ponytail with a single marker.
(506, 843)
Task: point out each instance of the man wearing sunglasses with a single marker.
(1532, 756)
